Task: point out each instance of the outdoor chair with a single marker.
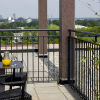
(19, 76)
(15, 94)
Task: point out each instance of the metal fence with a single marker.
(87, 65)
(25, 44)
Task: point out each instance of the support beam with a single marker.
(43, 25)
(67, 20)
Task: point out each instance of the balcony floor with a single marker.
(51, 91)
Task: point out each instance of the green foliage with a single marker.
(32, 25)
(16, 24)
(52, 33)
(95, 29)
(84, 59)
(88, 23)
(94, 59)
(55, 22)
(52, 26)
(34, 35)
(97, 94)
(6, 34)
(4, 39)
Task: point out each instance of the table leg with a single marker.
(14, 73)
(13, 77)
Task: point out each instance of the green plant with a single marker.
(94, 59)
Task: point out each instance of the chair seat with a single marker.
(14, 94)
(22, 75)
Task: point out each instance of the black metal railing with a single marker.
(87, 65)
(25, 44)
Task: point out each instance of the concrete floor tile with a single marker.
(65, 88)
(47, 90)
(53, 96)
(31, 90)
(45, 84)
(72, 96)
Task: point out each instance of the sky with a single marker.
(29, 8)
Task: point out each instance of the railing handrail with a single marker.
(17, 30)
(85, 33)
(48, 36)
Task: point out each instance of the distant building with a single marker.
(80, 26)
(14, 16)
(17, 36)
(28, 20)
(20, 27)
(20, 19)
(1, 17)
(10, 19)
(1, 23)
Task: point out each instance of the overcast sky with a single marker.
(29, 8)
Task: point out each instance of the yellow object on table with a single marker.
(6, 62)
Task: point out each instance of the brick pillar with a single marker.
(67, 20)
(42, 25)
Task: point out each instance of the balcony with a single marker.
(44, 71)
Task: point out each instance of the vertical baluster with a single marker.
(11, 44)
(76, 64)
(6, 42)
(27, 60)
(90, 71)
(79, 66)
(22, 49)
(53, 59)
(43, 57)
(97, 69)
(84, 68)
(59, 56)
(94, 71)
(38, 56)
(33, 56)
(99, 72)
(48, 59)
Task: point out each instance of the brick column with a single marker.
(67, 20)
(42, 25)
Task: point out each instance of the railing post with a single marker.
(42, 25)
(67, 21)
(71, 58)
(96, 39)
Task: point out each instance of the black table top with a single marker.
(17, 64)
